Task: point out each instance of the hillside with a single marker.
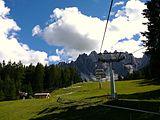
(83, 101)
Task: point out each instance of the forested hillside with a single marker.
(15, 77)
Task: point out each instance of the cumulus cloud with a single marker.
(10, 48)
(119, 3)
(70, 30)
(74, 31)
(36, 30)
(130, 46)
(4, 10)
(60, 52)
(79, 33)
(58, 57)
(54, 58)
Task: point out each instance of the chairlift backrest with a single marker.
(129, 59)
(110, 57)
(100, 73)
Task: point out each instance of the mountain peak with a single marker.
(86, 64)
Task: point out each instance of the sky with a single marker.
(52, 31)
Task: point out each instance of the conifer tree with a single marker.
(2, 96)
(152, 13)
(46, 77)
(9, 88)
(51, 77)
(39, 77)
(0, 70)
(19, 75)
(29, 75)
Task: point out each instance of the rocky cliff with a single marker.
(87, 64)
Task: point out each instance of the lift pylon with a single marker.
(110, 58)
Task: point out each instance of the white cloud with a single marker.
(10, 48)
(79, 33)
(118, 3)
(36, 30)
(130, 46)
(111, 14)
(68, 30)
(4, 10)
(6, 25)
(60, 52)
(54, 58)
(74, 31)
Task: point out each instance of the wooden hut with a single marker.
(41, 95)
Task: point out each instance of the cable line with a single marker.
(138, 50)
(131, 52)
(106, 25)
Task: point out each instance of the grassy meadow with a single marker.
(82, 101)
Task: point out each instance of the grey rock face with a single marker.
(87, 64)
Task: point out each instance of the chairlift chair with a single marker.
(129, 59)
(110, 57)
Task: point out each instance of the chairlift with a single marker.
(130, 59)
(107, 58)
(129, 64)
(100, 74)
(110, 57)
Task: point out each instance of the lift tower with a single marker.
(110, 58)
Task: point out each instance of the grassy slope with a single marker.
(45, 109)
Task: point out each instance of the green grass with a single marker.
(73, 104)
(21, 109)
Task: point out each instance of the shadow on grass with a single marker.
(142, 96)
(149, 82)
(96, 111)
(142, 105)
(90, 113)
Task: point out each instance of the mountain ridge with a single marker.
(87, 64)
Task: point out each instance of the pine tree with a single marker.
(18, 75)
(153, 35)
(46, 78)
(57, 77)
(2, 96)
(7, 70)
(0, 70)
(51, 77)
(39, 77)
(9, 89)
(29, 75)
(29, 89)
(67, 76)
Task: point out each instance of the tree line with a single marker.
(143, 73)
(15, 77)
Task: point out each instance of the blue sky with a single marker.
(50, 31)
(28, 13)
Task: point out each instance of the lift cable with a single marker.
(106, 25)
(138, 50)
(111, 4)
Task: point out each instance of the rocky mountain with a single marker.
(87, 64)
